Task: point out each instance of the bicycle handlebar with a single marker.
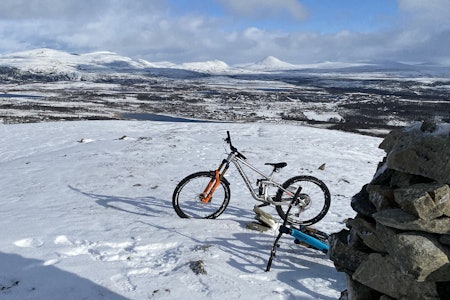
(232, 148)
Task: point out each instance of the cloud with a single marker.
(153, 31)
(427, 9)
(35, 9)
(262, 9)
(82, 25)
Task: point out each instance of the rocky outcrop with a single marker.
(398, 245)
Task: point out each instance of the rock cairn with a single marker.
(398, 245)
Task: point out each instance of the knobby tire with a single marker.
(314, 191)
(186, 197)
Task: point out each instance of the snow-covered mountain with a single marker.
(213, 66)
(59, 62)
(270, 63)
(45, 60)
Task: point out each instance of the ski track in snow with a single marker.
(87, 211)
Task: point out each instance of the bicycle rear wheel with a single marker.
(186, 199)
(314, 200)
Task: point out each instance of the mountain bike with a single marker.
(206, 194)
(304, 235)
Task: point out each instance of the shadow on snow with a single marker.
(25, 278)
(248, 251)
(143, 206)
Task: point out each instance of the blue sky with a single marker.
(234, 31)
(326, 16)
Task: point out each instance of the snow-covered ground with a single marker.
(86, 210)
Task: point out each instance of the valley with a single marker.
(370, 100)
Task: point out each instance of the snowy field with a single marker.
(86, 210)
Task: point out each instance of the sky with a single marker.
(233, 31)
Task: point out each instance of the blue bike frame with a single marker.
(305, 238)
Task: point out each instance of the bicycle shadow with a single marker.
(296, 266)
(142, 206)
(301, 264)
(310, 268)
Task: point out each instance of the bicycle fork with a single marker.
(207, 194)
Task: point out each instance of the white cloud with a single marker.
(39, 9)
(429, 13)
(266, 8)
(430, 8)
(148, 29)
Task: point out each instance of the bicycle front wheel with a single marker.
(314, 200)
(187, 197)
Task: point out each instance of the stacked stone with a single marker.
(398, 245)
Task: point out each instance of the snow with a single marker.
(270, 63)
(215, 66)
(442, 129)
(318, 116)
(87, 213)
(55, 61)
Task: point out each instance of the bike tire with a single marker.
(186, 200)
(315, 193)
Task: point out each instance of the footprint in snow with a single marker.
(123, 282)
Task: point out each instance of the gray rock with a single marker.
(358, 291)
(399, 219)
(399, 242)
(361, 204)
(381, 196)
(391, 140)
(428, 125)
(355, 242)
(264, 217)
(401, 180)
(426, 201)
(380, 273)
(367, 232)
(257, 226)
(412, 151)
(384, 297)
(198, 267)
(443, 289)
(440, 275)
(417, 254)
(345, 258)
(445, 239)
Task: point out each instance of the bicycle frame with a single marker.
(238, 160)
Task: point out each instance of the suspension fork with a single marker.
(215, 181)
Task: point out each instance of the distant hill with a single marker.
(60, 64)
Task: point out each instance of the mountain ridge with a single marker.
(51, 60)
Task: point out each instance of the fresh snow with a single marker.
(271, 63)
(215, 66)
(87, 213)
(50, 60)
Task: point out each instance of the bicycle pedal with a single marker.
(262, 205)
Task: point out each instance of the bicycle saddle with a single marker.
(277, 166)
